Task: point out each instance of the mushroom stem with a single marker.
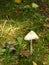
(31, 47)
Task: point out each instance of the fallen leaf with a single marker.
(34, 63)
(18, 1)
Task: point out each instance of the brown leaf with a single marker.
(25, 53)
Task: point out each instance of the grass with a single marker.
(40, 47)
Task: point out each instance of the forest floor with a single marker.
(15, 23)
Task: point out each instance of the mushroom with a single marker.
(31, 36)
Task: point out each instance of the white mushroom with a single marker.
(31, 36)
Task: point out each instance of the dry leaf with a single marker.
(34, 63)
(24, 53)
(18, 1)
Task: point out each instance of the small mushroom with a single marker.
(31, 36)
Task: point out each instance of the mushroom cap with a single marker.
(31, 35)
